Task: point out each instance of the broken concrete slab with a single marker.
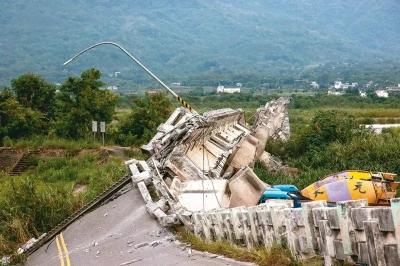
(140, 245)
(245, 188)
(199, 151)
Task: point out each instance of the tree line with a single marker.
(32, 106)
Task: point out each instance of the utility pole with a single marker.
(94, 129)
(103, 129)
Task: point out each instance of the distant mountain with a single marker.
(179, 39)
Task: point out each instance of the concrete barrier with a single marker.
(350, 231)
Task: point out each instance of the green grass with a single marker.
(300, 118)
(276, 255)
(371, 112)
(36, 201)
(43, 142)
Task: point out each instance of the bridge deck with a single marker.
(108, 235)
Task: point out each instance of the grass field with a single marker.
(300, 118)
(53, 188)
(42, 142)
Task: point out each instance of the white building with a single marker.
(222, 89)
(393, 88)
(378, 128)
(314, 85)
(338, 85)
(112, 88)
(362, 94)
(354, 84)
(341, 86)
(382, 93)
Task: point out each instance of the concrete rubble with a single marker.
(200, 175)
(29, 244)
(5, 260)
(140, 245)
(130, 262)
(203, 162)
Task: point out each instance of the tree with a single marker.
(146, 114)
(353, 91)
(80, 101)
(330, 126)
(32, 91)
(17, 121)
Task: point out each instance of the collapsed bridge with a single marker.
(204, 162)
(200, 175)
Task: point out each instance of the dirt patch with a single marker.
(9, 158)
(79, 189)
(52, 153)
(105, 152)
(117, 151)
(84, 152)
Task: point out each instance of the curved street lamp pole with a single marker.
(181, 101)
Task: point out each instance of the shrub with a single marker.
(80, 101)
(146, 115)
(34, 92)
(17, 121)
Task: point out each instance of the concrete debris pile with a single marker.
(29, 244)
(200, 174)
(204, 162)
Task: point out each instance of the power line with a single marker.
(202, 180)
(211, 179)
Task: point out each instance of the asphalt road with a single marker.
(113, 234)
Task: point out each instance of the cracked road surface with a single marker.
(120, 232)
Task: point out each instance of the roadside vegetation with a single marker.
(333, 141)
(52, 189)
(41, 142)
(277, 255)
